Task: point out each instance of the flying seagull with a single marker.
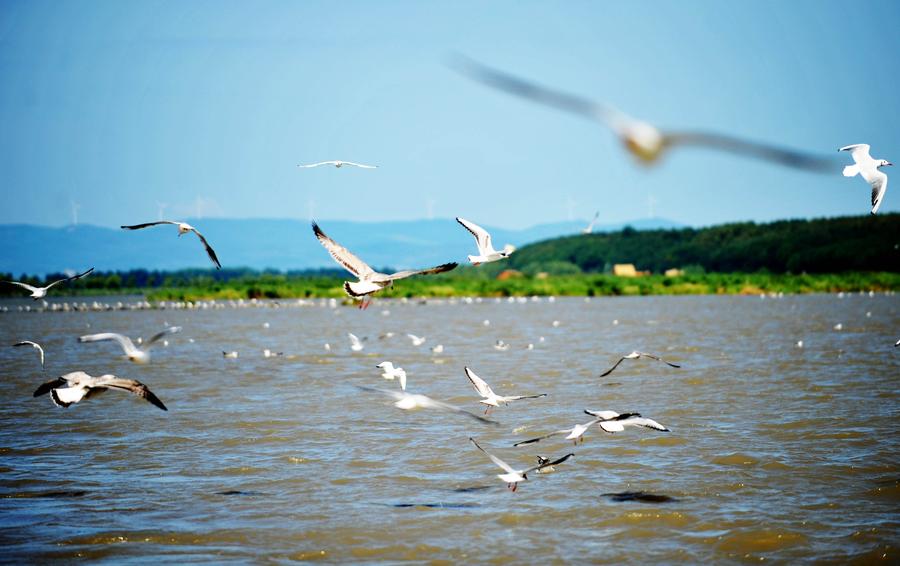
(513, 477)
(410, 401)
(416, 340)
(867, 168)
(575, 434)
(614, 422)
(183, 228)
(491, 399)
(338, 164)
(645, 141)
(370, 281)
(41, 292)
(132, 352)
(590, 227)
(635, 355)
(486, 251)
(355, 343)
(83, 386)
(388, 371)
(34, 345)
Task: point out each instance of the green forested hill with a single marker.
(832, 245)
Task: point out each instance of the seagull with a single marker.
(390, 372)
(416, 340)
(439, 349)
(267, 353)
(232, 355)
(41, 292)
(590, 227)
(501, 346)
(338, 164)
(867, 167)
(645, 141)
(131, 351)
(410, 401)
(513, 477)
(491, 399)
(370, 281)
(355, 343)
(34, 345)
(486, 251)
(183, 228)
(546, 465)
(574, 434)
(635, 355)
(83, 386)
(614, 422)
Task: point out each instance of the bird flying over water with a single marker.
(575, 434)
(80, 385)
(635, 355)
(614, 422)
(338, 164)
(643, 140)
(490, 398)
(355, 343)
(867, 168)
(34, 345)
(410, 401)
(132, 352)
(41, 292)
(388, 371)
(183, 228)
(486, 251)
(512, 477)
(370, 281)
(590, 227)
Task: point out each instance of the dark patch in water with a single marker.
(238, 492)
(475, 488)
(640, 496)
(432, 505)
(43, 494)
(612, 384)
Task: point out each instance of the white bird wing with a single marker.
(209, 251)
(147, 225)
(859, 152)
(360, 165)
(546, 464)
(73, 278)
(342, 255)
(354, 340)
(480, 385)
(519, 397)
(158, 335)
(657, 358)
(414, 338)
(23, 285)
(482, 237)
(34, 345)
(879, 187)
(605, 415)
(435, 404)
(647, 423)
(317, 164)
(429, 271)
(124, 341)
(494, 459)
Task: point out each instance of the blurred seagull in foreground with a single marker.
(388, 371)
(513, 477)
(614, 422)
(338, 164)
(34, 345)
(486, 251)
(867, 168)
(491, 399)
(575, 434)
(410, 401)
(80, 385)
(590, 227)
(132, 352)
(183, 228)
(635, 355)
(41, 292)
(645, 141)
(370, 281)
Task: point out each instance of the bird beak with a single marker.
(889, 163)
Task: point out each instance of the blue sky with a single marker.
(207, 107)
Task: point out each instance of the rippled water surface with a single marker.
(776, 452)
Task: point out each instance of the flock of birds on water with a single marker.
(645, 141)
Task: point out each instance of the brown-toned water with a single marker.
(776, 452)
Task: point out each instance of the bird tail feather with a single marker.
(361, 288)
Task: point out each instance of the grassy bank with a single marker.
(281, 286)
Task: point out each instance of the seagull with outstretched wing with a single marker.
(338, 164)
(183, 228)
(512, 477)
(41, 292)
(79, 385)
(634, 356)
(867, 168)
(132, 352)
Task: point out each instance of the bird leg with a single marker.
(514, 487)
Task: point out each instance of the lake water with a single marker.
(775, 452)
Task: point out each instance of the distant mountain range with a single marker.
(261, 244)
